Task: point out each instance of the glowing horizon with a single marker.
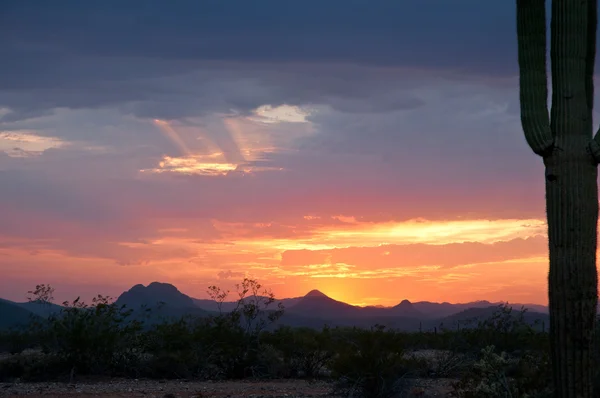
(305, 163)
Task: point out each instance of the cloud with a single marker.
(230, 274)
(403, 31)
(208, 138)
(104, 60)
(26, 144)
(417, 255)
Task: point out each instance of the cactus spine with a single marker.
(571, 154)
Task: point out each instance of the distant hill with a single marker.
(41, 309)
(406, 309)
(439, 310)
(318, 305)
(420, 309)
(227, 306)
(474, 314)
(314, 310)
(13, 315)
(164, 301)
(154, 294)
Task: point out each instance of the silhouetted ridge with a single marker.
(153, 294)
(406, 308)
(13, 315)
(317, 304)
(316, 293)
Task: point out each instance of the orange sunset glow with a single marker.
(374, 172)
(357, 259)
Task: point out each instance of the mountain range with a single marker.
(315, 309)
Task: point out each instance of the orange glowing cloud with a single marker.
(230, 144)
(27, 143)
(355, 233)
(349, 259)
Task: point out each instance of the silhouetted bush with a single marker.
(96, 339)
(305, 352)
(498, 375)
(15, 341)
(34, 368)
(370, 363)
(106, 339)
(222, 346)
(507, 330)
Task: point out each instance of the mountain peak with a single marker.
(154, 293)
(404, 304)
(163, 287)
(315, 293)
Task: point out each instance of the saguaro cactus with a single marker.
(571, 154)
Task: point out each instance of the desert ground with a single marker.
(228, 389)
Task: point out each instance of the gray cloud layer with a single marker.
(417, 110)
(95, 54)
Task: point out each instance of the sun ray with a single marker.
(172, 135)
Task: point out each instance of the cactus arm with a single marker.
(590, 60)
(590, 56)
(533, 79)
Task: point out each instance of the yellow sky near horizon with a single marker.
(348, 258)
(361, 263)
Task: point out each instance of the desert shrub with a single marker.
(33, 368)
(498, 375)
(229, 350)
(167, 365)
(447, 363)
(106, 339)
(306, 352)
(370, 363)
(15, 341)
(14, 367)
(506, 329)
(270, 363)
(223, 346)
(174, 349)
(236, 336)
(96, 339)
(533, 374)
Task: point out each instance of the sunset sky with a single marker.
(368, 149)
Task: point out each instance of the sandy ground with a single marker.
(229, 389)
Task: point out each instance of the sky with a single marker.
(369, 149)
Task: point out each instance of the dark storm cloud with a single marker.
(100, 53)
(461, 33)
(365, 61)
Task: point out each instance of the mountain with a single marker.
(38, 308)
(316, 307)
(13, 315)
(319, 305)
(41, 309)
(314, 310)
(440, 310)
(228, 306)
(164, 301)
(154, 294)
(406, 309)
(532, 307)
(469, 317)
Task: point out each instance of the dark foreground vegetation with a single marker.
(501, 356)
